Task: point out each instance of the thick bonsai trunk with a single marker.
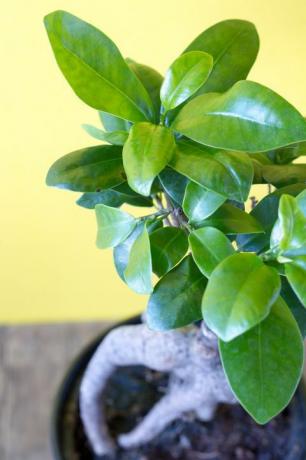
(197, 382)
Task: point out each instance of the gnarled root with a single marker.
(197, 382)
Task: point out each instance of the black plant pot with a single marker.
(67, 435)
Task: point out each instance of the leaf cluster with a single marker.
(191, 145)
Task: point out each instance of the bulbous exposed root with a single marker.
(197, 382)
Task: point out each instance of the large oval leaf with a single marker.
(249, 289)
(147, 151)
(138, 273)
(249, 117)
(234, 45)
(296, 307)
(176, 299)
(228, 173)
(168, 246)
(88, 170)
(209, 247)
(184, 77)
(265, 364)
(174, 184)
(114, 226)
(95, 69)
(296, 274)
(232, 221)
(199, 203)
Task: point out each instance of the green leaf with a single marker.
(199, 203)
(296, 307)
(234, 46)
(231, 220)
(168, 247)
(184, 77)
(151, 80)
(266, 213)
(176, 299)
(228, 173)
(288, 237)
(209, 247)
(249, 117)
(114, 226)
(138, 273)
(95, 69)
(264, 365)
(113, 123)
(115, 137)
(88, 170)
(121, 252)
(147, 151)
(174, 184)
(296, 274)
(287, 154)
(248, 290)
(114, 197)
(281, 175)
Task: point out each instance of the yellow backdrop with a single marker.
(50, 267)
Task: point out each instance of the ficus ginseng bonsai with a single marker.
(191, 145)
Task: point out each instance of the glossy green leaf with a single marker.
(264, 365)
(114, 197)
(288, 237)
(168, 247)
(151, 80)
(95, 69)
(249, 117)
(176, 299)
(174, 184)
(114, 226)
(228, 173)
(287, 154)
(121, 252)
(281, 175)
(266, 213)
(296, 274)
(88, 170)
(249, 289)
(209, 247)
(114, 137)
(199, 202)
(184, 77)
(232, 220)
(296, 307)
(138, 273)
(113, 123)
(147, 151)
(234, 45)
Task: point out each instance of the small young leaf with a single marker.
(199, 202)
(138, 273)
(168, 247)
(228, 173)
(146, 153)
(95, 69)
(234, 45)
(248, 290)
(176, 299)
(114, 226)
(209, 247)
(88, 170)
(115, 137)
(113, 123)
(249, 118)
(265, 364)
(184, 77)
(121, 252)
(232, 220)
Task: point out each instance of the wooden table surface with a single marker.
(32, 362)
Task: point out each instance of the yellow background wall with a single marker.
(50, 267)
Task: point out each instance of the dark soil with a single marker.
(231, 435)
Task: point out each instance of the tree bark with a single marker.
(197, 381)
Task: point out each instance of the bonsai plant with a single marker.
(226, 318)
